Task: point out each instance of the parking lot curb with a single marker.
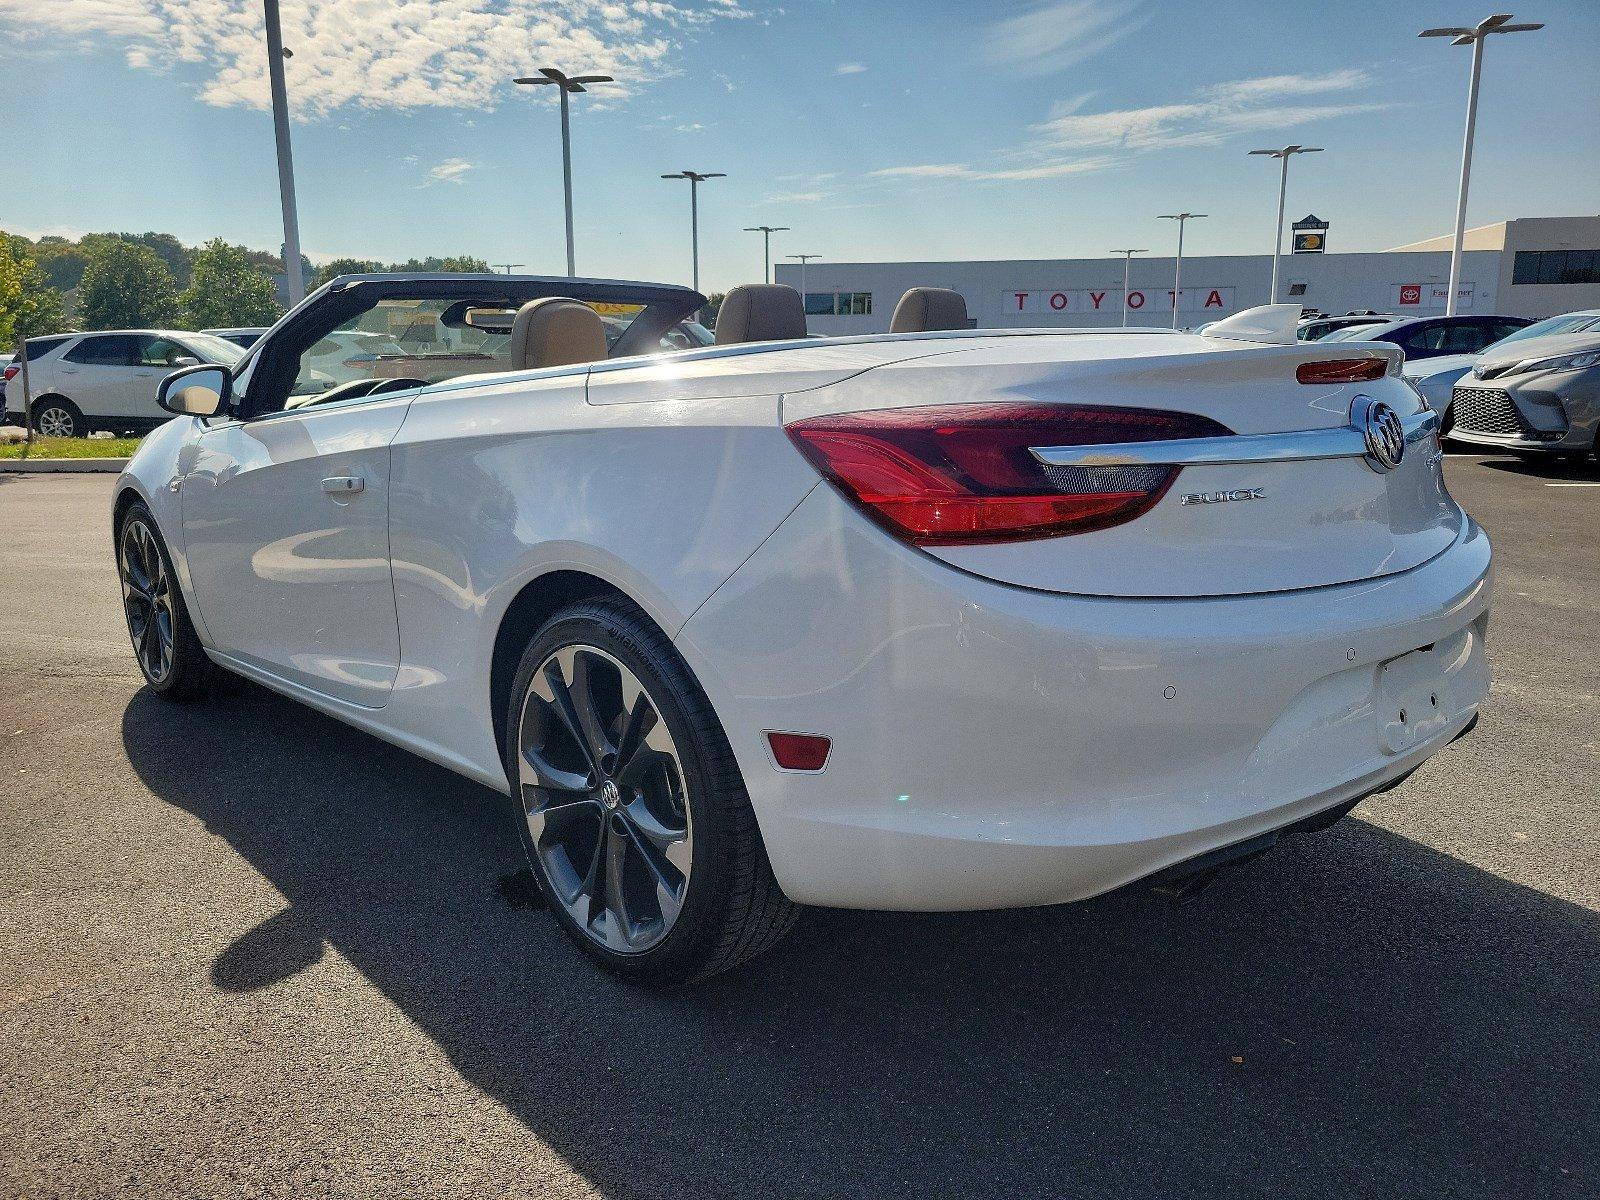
(109, 466)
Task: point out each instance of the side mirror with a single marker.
(186, 360)
(198, 391)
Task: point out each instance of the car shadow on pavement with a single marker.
(1353, 1013)
(1554, 469)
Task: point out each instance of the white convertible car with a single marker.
(940, 619)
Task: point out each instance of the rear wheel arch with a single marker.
(539, 600)
(56, 398)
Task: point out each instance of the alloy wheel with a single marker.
(147, 599)
(55, 422)
(603, 795)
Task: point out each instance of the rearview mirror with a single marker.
(186, 360)
(490, 320)
(201, 391)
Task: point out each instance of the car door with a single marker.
(104, 373)
(285, 525)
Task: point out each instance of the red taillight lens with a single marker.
(9, 372)
(1342, 370)
(799, 751)
(964, 473)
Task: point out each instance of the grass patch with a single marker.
(71, 448)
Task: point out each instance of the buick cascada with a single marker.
(947, 618)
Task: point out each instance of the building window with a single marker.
(838, 304)
(1297, 289)
(1556, 266)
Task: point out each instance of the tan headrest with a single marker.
(555, 332)
(924, 309)
(761, 312)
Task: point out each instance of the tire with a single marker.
(656, 807)
(172, 660)
(54, 416)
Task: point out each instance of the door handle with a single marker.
(343, 485)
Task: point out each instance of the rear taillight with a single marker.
(965, 473)
(1342, 370)
(9, 372)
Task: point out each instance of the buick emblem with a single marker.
(1385, 435)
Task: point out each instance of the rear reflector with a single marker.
(799, 751)
(961, 474)
(1342, 370)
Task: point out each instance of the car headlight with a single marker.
(1566, 362)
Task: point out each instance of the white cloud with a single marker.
(369, 54)
(691, 127)
(1055, 34)
(849, 69)
(1043, 170)
(1215, 114)
(796, 197)
(451, 170)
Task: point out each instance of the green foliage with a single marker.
(227, 290)
(462, 264)
(125, 286)
(29, 306)
(343, 266)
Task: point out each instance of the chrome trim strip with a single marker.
(1301, 445)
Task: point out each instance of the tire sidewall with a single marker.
(676, 956)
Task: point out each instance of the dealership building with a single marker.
(1533, 267)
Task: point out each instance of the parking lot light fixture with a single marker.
(566, 85)
(292, 265)
(1182, 219)
(1474, 37)
(695, 178)
(1127, 267)
(804, 259)
(1283, 188)
(766, 232)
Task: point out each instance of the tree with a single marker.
(125, 287)
(457, 264)
(226, 290)
(343, 266)
(29, 306)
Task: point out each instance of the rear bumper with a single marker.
(997, 747)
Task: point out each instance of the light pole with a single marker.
(766, 232)
(1474, 37)
(280, 127)
(1127, 267)
(1177, 271)
(1283, 188)
(695, 179)
(566, 86)
(507, 267)
(804, 259)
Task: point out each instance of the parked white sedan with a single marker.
(106, 380)
(941, 619)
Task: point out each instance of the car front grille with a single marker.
(1485, 410)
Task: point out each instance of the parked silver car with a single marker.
(1436, 378)
(1534, 396)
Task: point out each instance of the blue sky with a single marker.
(931, 130)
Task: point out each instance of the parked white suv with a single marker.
(108, 380)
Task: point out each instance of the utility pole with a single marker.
(766, 232)
(280, 127)
(1474, 37)
(695, 178)
(1177, 273)
(1127, 267)
(566, 86)
(1283, 189)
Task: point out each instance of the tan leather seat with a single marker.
(924, 309)
(761, 312)
(555, 332)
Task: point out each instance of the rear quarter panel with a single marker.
(494, 485)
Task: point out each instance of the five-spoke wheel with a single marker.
(603, 796)
(147, 599)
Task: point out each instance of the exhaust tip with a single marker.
(1185, 888)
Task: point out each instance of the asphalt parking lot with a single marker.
(245, 950)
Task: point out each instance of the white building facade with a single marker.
(1534, 268)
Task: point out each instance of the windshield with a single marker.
(214, 349)
(1566, 323)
